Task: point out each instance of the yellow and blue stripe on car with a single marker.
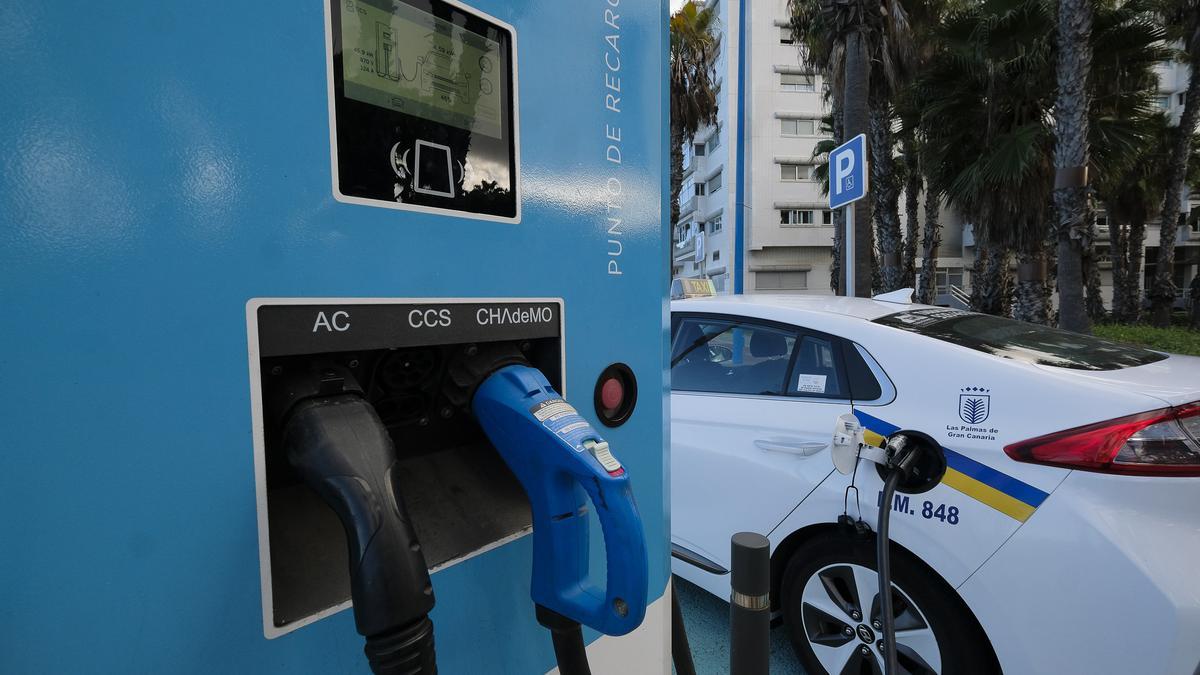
(1008, 495)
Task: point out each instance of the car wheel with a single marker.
(829, 596)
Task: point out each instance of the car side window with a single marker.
(863, 384)
(730, 357)
(818, 372)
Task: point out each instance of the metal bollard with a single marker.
(750, 605)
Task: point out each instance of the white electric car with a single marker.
(1064, 536)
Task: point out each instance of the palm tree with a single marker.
(836, 37)
(695, 46)
(1128, 141)
(931, 239)
(1182, 17)
(893, 54)
(909, 109)
(819, 49)
(1131, 198)
(988, 103)
(912, 207)
(1074, 63)
(867, 49)
(925, 17)
(986, 96)
(1127, 46)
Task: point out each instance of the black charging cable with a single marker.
(884, 563)
(903, 454)
(567, 636)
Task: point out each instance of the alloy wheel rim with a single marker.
(840, 613)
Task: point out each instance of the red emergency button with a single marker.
(615, 395)
(612, 392)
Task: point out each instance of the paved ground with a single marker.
(707, 620)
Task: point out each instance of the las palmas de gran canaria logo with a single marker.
(974, 405)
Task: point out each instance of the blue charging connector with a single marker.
(561, 462)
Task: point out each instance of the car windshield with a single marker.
(1020, 341)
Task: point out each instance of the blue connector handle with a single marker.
(559, 458)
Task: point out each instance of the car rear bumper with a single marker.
(1103, 578)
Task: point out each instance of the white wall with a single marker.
(773, 247)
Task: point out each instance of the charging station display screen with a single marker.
(424, 107)
(414, 62)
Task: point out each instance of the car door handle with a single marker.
(801, 448)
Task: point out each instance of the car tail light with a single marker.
(1158, 443)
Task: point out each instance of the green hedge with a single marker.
(1175, 339)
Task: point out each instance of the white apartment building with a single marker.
(789, 228)
(1172, 88)
(704, 245)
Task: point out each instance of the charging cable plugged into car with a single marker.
(908, 462)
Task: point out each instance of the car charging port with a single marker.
(923, 470)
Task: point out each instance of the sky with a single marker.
(676, 4)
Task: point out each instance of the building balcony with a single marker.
(687, 206)
(684, 252)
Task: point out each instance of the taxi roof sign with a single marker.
(692, 288)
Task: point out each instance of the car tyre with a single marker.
(829, 597)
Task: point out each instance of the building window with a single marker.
(785, 35)
(945, 277)
(795, 172)
(714, 141)
(798, 127)
(1162, 102)
(797, 82)
(795, 217)
(700, 189)
(1180, 97)
(714, 225)
(826, 217)
(781, 281)
(716, 256)
(714, 184)
(698, 149)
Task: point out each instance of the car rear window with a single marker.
(1020, 341)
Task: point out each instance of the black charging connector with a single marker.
(337, 444)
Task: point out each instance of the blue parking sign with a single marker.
(848, 172)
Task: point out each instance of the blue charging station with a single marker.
(212, 214)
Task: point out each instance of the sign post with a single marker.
(848, 184)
